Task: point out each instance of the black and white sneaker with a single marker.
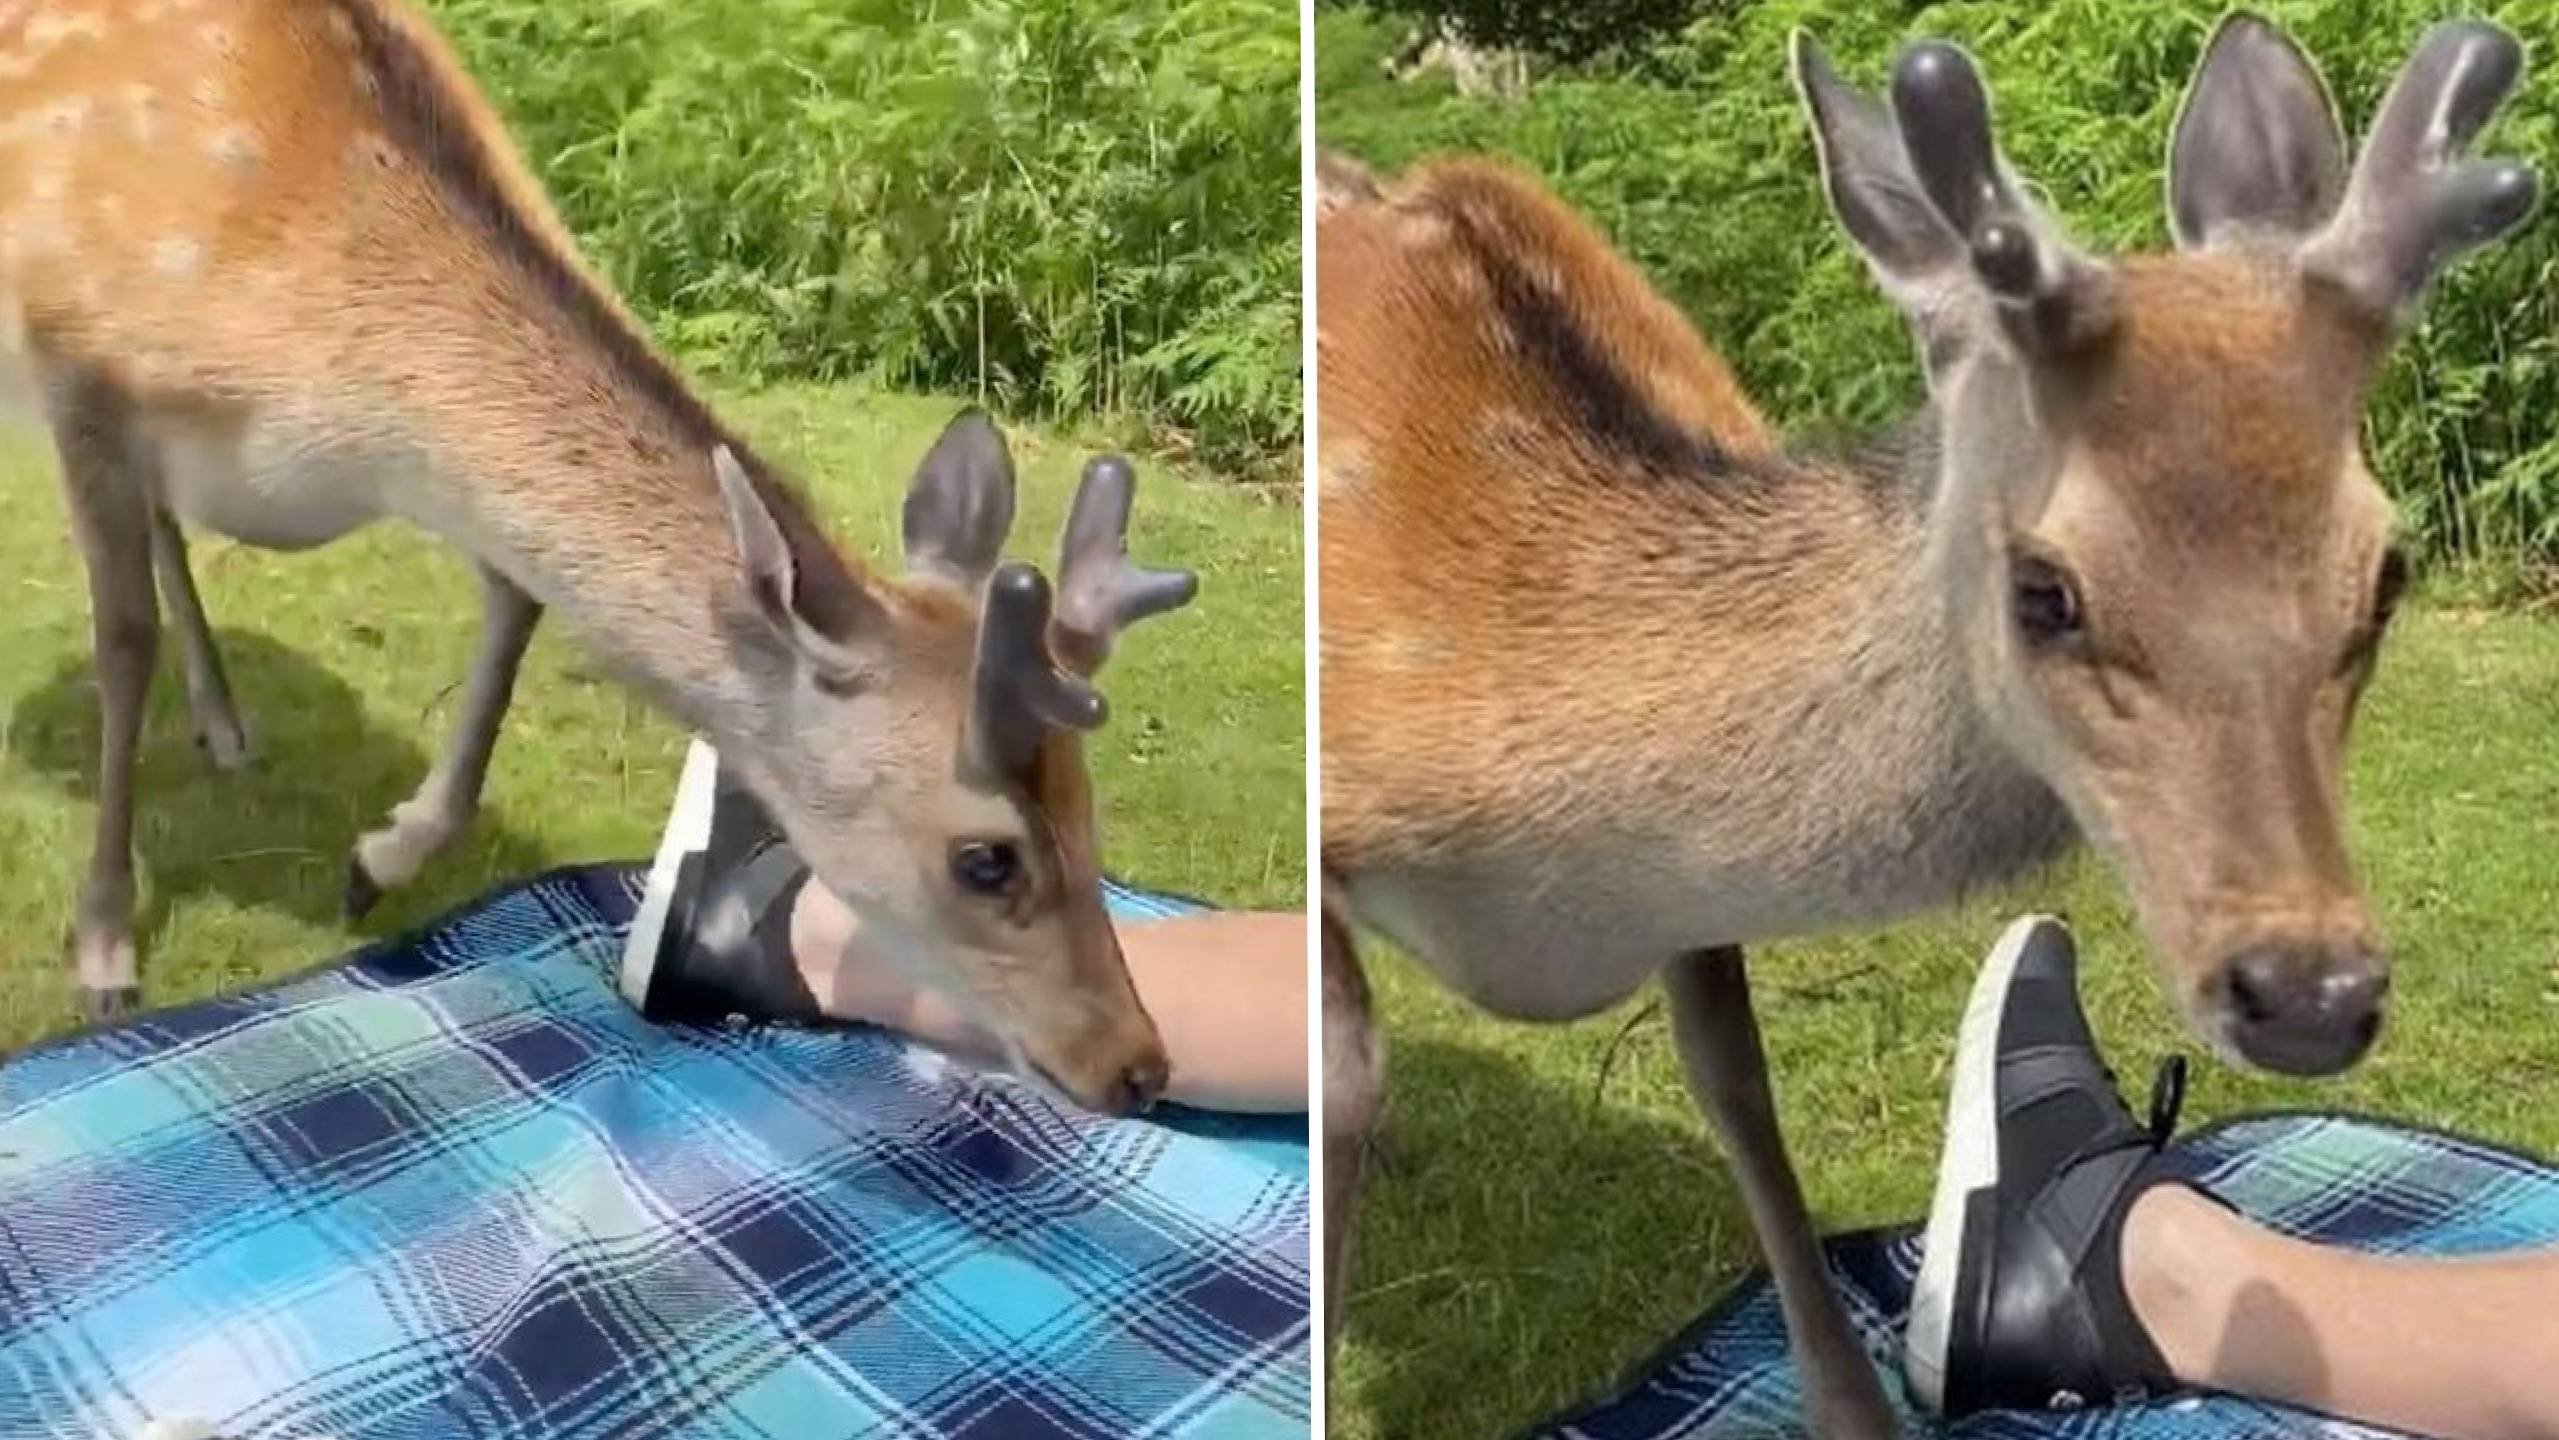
(712, 940)
(2020, 1301)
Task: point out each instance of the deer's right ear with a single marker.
(765, 565)
(959, 507)
(1871, 188)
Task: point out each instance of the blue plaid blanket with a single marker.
(454, 1186)
(2336, 1179)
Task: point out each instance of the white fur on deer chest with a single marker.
(278, 480)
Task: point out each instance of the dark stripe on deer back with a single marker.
(1605, 404)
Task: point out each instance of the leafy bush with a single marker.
(1697, 161)
(1073, 207)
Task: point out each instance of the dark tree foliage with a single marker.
(1567, 30)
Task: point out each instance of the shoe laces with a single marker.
(2167, 1097)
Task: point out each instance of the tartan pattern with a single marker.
(455, 1186)
(2336, 1179)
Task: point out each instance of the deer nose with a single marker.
(2304, 1009)
(1141, 1084)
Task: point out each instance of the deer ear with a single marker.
(960, 506)
(764, 559)
(765, 565)
(2257, 146)
(1868, 179)
(1341, 182)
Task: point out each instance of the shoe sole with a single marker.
(688, 832)
(1970, 1165)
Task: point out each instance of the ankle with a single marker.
(2178, 1259)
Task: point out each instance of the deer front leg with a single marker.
(103, 481)
(1718, 1040)
(217, 721)
(450, 795)
(1354, 1091)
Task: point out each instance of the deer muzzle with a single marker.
(2301, 1007)
(1121, 1070)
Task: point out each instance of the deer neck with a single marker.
(576, 464)
(1913, 793)
(556, 446)
(2001, 817)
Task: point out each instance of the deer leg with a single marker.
(450, 795)
(1718, 1041)
(218, 731)
(104, 485)
(1354, 1090)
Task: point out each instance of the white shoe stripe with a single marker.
(1970, 1163)
(688, 829)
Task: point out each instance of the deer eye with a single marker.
(2044, 599)
(986, 867)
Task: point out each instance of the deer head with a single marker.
(2167, 563)
(919, 742)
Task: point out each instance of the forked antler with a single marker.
(1100, 591)
(2415, 204)
(1035, 658)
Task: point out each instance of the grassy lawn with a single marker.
(346, 662)
(1547, 1217)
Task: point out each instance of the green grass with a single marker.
(1547, 1218)
(346, 660)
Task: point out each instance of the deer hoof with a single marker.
(363, 892)
(104, 1005)
(227, 746)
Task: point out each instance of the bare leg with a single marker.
(1354, 1096)
(390, 857)
(217, 720)
(103, 482)
(2457, 1348)
(1718, 1040)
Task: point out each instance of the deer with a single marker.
(274, 269)
(1617, 681)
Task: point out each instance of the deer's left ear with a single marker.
(2257, 148)
(960, 506)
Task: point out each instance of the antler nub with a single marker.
(2052, 300)
(1100, 591)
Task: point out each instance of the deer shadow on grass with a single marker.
(274, 836)
(1498, 1210)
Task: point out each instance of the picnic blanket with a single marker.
(2337, 1179)
(454, 1186)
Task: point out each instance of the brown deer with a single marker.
(274, 270)
(1614, 683)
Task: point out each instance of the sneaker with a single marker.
(2020, 1301)
(712, 940)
